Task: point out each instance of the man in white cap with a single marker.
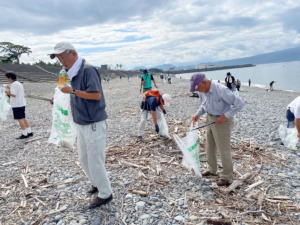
(221, 105)
(88, 110)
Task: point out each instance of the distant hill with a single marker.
(287, 55)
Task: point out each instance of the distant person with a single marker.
(271, 85)
(293, 114)
(249, 82)
(128, 77)
(146, 81)
(18, 103)
(152, 100)
(107, 79)
(229, 81)
(120, 77)
(169, 78)
(238, 84)
(161, 76)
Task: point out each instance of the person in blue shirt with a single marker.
(150, 104)
(220, 105)
(146, 83)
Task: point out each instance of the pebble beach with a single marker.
(41, 183)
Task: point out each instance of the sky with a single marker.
(148, 33)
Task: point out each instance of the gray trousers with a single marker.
(91, 140)
(144, 116)
(218, 141)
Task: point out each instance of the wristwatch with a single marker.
(73, 92)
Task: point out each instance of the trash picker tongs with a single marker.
(202, 126)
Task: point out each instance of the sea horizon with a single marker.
(285, 74)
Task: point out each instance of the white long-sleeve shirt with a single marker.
(219, 100)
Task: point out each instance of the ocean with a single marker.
(285, 74)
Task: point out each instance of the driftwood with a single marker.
(219, 221)
(237, 183)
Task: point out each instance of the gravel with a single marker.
(65, 200)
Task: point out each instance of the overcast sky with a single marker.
(151, 32)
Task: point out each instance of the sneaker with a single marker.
(23, 137)
(30, 134)
(140, 138)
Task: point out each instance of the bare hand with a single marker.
(221, 119)
(195, 118)
(66, 89)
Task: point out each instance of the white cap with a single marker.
(167, 99)
(60, 48)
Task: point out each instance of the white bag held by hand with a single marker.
(64, 130)
(163, 126)
(288, 136)
(4, 105)
(189, 145)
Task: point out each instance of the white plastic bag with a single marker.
(4, 105)
(288, 136)
(163, 126)
(64, 131)
(236, 93)
(189, 145)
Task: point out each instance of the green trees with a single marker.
(13, 52)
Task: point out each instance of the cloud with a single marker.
(140, 32)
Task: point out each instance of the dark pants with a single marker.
(291, 119)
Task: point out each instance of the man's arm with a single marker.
(154, 83)
(297, 123)
(82, 94)
(153, 113)
(10, 94)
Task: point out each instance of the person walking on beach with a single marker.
(169, 78)
(18, 102)
(238, 84)
(271, 85)
(221, 105)
(293, 115)
(151, 101)
(146, 81)
(229, 81)
(88, 110)
(249, 82)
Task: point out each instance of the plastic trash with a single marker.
(4, 105)
(189, 145)
(64, 131)
(167, 99)
(163, 126)
(288, 136)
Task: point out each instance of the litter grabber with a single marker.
(40, 98)
(202, 126)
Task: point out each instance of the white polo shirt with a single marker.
(295, 107)
(17, 89)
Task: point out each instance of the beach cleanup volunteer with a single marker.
(151, 101)
(220, 105)
(293, 114)
(88, 111)
(146, 81)
(18, 103)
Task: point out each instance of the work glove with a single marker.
(156, 128)
(165, 112)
